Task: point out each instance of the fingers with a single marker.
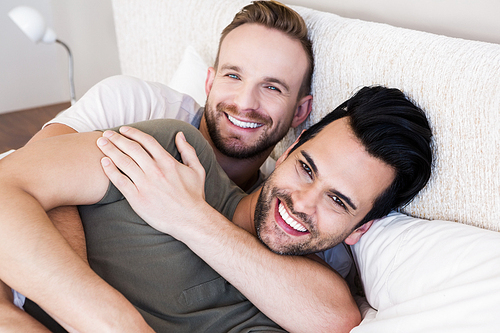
(146, 142)
(138, 154)
(189, 157)
(135, 144)
(113, 146)
(156, 151)
(187, 152)
(121, 182)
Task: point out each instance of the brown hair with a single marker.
(274, 15)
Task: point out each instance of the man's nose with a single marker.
(305, 199)
(247, 98)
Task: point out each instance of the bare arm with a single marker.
(66, 219)
(299, 294)
(34, 257)
(13, 318)
(50, 131)
(68, 222)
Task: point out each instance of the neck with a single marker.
(244, 215)
(243, 172)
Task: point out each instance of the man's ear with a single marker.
(287, 151)
(303, 109)
(354, 237)
(209, 80)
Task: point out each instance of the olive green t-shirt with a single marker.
(174, 289)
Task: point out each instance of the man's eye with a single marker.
(337, 201)
(233, 76)
(306, 169)
(273, 88)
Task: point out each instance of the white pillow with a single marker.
(429, 276)
(189, 78)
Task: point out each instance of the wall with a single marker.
(26, 67)
(37, 74)
(476, 20)
(33, 75)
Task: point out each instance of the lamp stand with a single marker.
(70, 71)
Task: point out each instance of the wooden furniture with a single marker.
(17, 127)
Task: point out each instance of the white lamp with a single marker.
(31, 22)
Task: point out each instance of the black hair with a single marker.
(392, 129)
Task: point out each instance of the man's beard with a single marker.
(232, 147)
(313, 243)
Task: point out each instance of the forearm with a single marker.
(298, 293)
(34, 257)
(36, 261)
(66, 219)
(68, 222)
(13, 319)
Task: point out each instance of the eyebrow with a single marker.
(337, 193)
(230, 67)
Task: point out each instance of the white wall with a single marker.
(476, 20)
(37, 74)
(24, 66)
(33, 75)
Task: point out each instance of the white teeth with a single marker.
(243, 124)
(289, 220)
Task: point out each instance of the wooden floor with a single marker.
(16, 128)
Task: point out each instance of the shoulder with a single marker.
(168, 128)
(165, 130)
(124, 84)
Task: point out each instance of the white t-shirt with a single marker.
(121, 100)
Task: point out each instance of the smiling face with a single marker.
(319, 193)
(253, 96)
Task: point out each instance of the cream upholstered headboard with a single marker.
(457, 83)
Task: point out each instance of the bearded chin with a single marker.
(233, 147)
(264, 228)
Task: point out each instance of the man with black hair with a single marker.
(318, 196)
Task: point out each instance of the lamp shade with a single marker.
(31, 22)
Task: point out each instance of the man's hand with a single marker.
(158, 187)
